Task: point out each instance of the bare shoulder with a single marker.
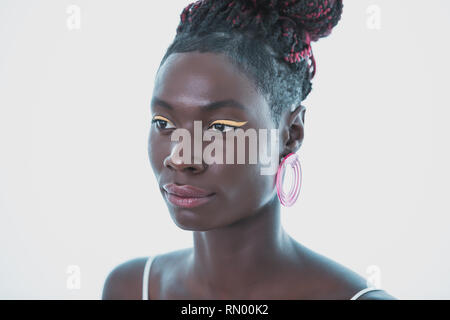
(377, 295)
(333, 280)
(168, 274)
(124, 282)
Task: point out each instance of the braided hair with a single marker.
(268, 40)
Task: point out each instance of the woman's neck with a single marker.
(242, 254)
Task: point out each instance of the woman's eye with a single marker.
(226, 125)
(163, 124)
(222, 127)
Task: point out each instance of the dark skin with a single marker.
(240, 250)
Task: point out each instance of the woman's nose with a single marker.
(180, 163)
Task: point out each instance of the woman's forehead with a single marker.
(203, 77)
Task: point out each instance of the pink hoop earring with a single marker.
(289, 199)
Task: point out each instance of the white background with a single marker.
(76, 186)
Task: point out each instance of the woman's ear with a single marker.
(293, 130)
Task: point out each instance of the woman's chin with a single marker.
(188, 219)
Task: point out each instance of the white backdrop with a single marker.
(77, 193)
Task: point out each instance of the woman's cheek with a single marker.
(239, 183)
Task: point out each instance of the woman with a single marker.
(247, 65)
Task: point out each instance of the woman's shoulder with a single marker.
(333, 280)
(124, 282)
(377, 295)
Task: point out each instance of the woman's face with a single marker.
(183, 86)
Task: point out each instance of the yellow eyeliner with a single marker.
(161, 118)
(230, 123)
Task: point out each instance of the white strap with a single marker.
(361, 292)
(145, 277)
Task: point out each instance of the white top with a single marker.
(145, 278)
(148, 265)
(363, 291)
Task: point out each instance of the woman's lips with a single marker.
(187, 196)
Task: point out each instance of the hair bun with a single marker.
(317, 17)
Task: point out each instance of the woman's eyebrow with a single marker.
(210, 106)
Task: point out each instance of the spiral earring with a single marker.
(288, 199)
